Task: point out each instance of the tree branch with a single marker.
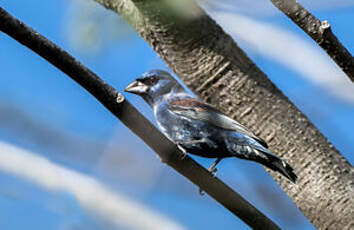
(208, 60)
(320, 32)
(136, 122)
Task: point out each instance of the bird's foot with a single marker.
(213, 171)
(184, 152)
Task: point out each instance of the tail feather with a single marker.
(257, 152)
(279, 165)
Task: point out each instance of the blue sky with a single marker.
(43, 111)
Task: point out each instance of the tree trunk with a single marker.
(212, 65)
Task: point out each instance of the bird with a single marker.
(199, 128)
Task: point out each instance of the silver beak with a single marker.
(136, 87)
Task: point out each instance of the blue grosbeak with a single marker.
(199, 128)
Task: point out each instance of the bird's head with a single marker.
(153, 85)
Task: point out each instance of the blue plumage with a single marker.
(200, 129)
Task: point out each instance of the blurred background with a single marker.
(67, 163)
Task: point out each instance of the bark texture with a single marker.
(319, 31)
(216, 69)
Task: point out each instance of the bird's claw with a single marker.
(184, 152)
(213, 171)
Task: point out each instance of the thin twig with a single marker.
(136, 122)
(320, 32)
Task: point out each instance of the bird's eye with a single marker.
(151, 80)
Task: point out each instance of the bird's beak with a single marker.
(137, 87)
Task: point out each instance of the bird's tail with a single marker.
(279, 165)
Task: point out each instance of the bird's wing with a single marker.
(197, 110)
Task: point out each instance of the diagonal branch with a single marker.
(136, 122)
(320, 32)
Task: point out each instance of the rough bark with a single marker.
(135, 121)
(320, 32)
(216, 69)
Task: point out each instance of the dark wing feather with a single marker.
(197, 110)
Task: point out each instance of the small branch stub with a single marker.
(120, 98)
(323, 30)
(325, 25)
